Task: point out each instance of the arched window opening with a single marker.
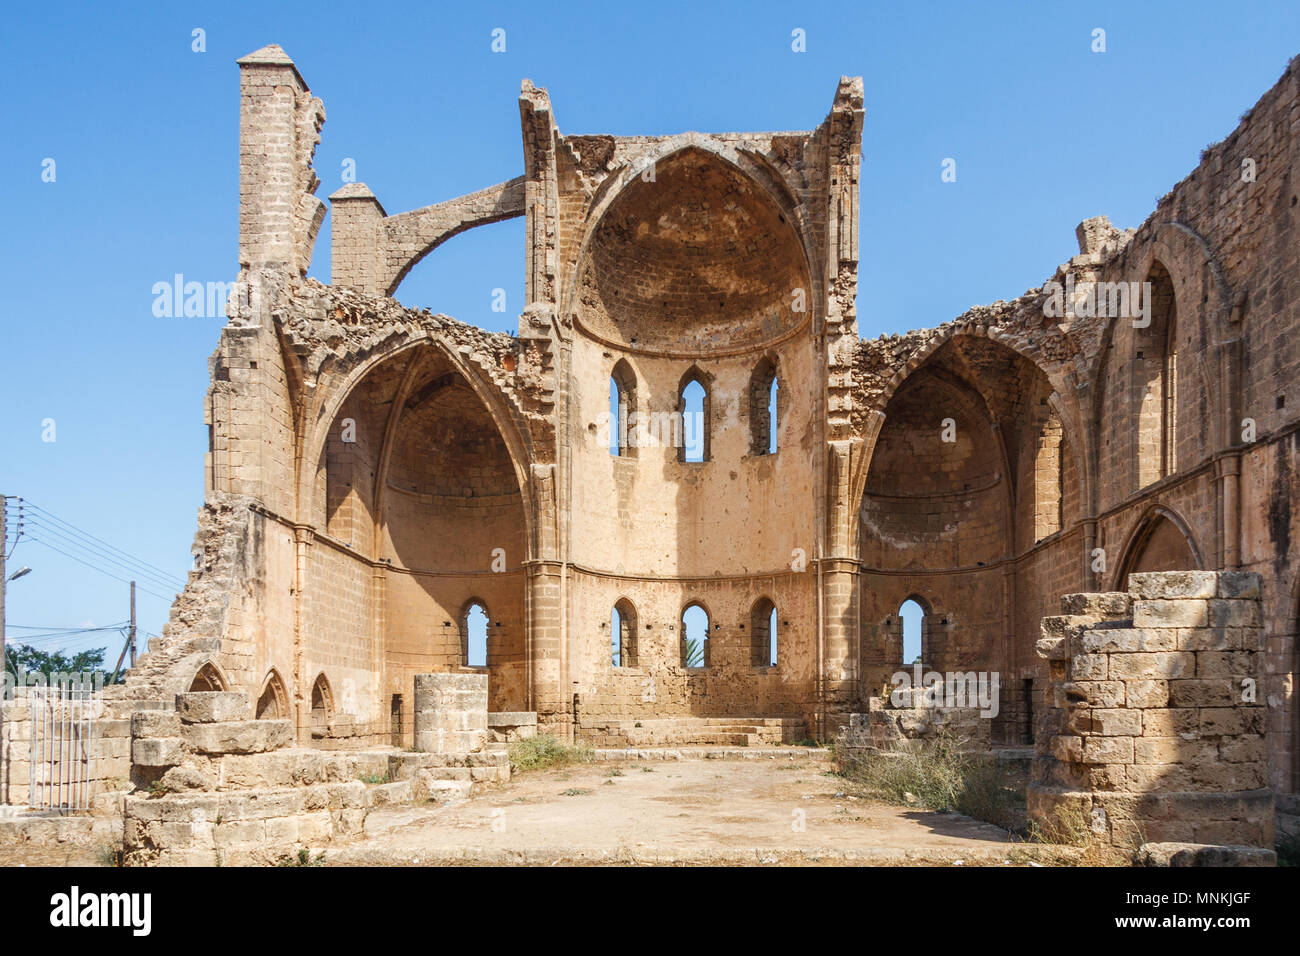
(1154, 379)
(473, 634)
(763, 408)
(207, 679)
(322, 706)
(1047, 478)
(622, 625)
(762, 634)
(622, 411)
(693, 407)
(695, 636)
(274, 701)
(772, 406)
(915, 624)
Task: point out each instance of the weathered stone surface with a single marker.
(152, 723)
(239, 736)
(1178, 756)
(157, 751)
(212, 707)
(1197, 854)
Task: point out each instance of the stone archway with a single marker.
(1161, 541)
(418, 478)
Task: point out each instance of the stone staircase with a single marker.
(695, 732)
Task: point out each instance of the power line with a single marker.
(41, 526)
(95, 567)
(131, 559)
(70, 632)
(68, 541)
(55, 627)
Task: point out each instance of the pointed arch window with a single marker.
(622, 411)
(622, 625)
(322, 706)
(695, 636)
(1154, 381)
(764, 406)
(915, 621)
(1048, 491)
(693, 407)
(273, 702)
(474, 633)
(763, 634)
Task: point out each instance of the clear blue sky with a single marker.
(144, 135)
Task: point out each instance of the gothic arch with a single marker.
(589, 299)
(1070, 422)
(1205, 312)
(625, 426)
(337, 391)
(696, 375)
(763, 174)
(322, 705)
(272, 699)
(209, 677)
(1157, 520)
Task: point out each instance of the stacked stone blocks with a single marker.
(1155, 727)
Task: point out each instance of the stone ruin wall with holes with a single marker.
(330, 572)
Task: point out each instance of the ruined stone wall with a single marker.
(1178, 445)
(1156, 728)
(1075, 436)
(731, 685)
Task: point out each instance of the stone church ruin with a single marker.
(378, 475)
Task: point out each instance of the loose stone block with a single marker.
(239, 737)
(212, 707)
(157, 751)
(1156, 613)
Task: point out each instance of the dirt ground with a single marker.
(771, 810)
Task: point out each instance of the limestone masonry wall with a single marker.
(1155, 732)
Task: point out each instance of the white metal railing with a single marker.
(61, 774)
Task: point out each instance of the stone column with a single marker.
(279, 126)
(356, 238)
(451, 712)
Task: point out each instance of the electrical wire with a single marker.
(145, 567)
(158, 581)
(161, 597)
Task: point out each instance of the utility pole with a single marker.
(132, 624)
(4, 670)
(4, 544)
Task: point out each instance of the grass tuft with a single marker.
(544, 751)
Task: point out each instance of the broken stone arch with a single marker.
(1156, 520)
(1070, 425)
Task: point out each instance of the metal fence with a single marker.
(63, 747)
